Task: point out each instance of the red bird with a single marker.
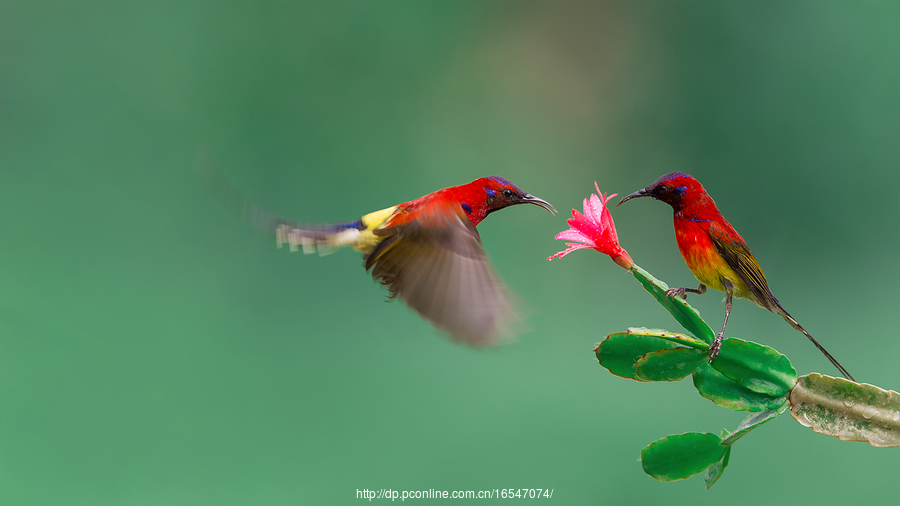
(427, 251)
(715, 252)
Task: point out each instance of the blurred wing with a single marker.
(436, 265)
(742, 261)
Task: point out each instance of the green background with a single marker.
(154, 350)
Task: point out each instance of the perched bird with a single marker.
(427, 251)
(715, 252)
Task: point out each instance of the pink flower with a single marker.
(595, 229)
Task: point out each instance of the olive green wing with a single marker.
(738, 256)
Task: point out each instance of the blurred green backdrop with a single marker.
(157, 351)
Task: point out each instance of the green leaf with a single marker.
(726, 393)
(715, 471)
(673, 337)
(847, 410)
(753, 421)
(686, 315)
(669, 364)
(620, 351)
(681, 456)
(755, 366)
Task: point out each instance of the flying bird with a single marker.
(427, 251)
(715, 253)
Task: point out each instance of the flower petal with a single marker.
(571, 248)
(573, 235)
(594, 229)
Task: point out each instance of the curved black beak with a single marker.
(531, 199)
(639, 193)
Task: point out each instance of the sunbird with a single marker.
(427, 251)
(715, 253)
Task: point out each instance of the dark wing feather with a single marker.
(741, 260)
(436, 265)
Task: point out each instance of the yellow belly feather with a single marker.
(709, 267)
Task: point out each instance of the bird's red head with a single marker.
(677, 189)
(500, 192)
(488, 194)
(480, 198)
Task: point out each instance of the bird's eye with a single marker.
(508, 194)
(662, 189)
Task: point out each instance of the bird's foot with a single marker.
(714, 347)
(673, 293)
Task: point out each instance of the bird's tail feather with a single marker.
(794, 323)
(322, 238)
(310, 237)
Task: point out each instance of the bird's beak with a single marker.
(531, 199)
(639, 193)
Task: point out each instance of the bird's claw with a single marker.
(714, 347)
(673, 293)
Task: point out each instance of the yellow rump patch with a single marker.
(373, 221)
